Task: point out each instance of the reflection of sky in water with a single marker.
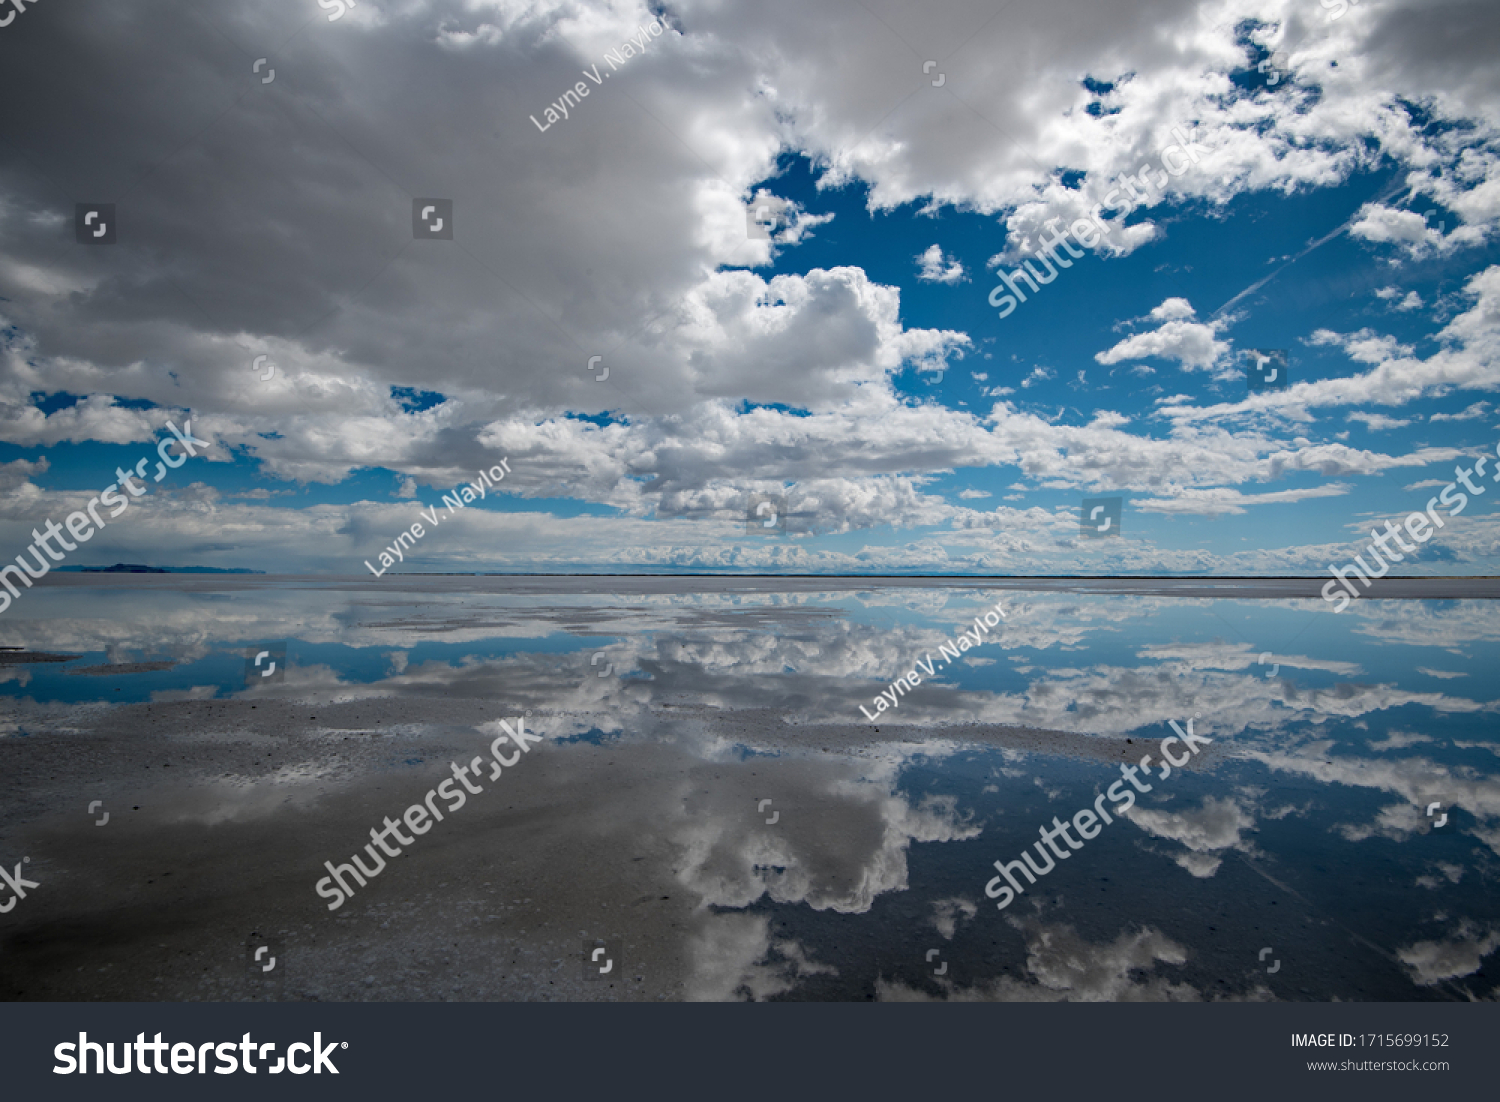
(1305, 831)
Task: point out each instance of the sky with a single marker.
(758, 264)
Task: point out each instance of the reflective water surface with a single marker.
(711, 808)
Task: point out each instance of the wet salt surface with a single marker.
(1294, 858)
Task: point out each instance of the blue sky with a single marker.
(849, 363)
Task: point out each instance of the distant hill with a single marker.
(137, 568)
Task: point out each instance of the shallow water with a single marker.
(712, 803)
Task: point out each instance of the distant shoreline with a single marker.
(1278, 588)
(841, 577)
(139, 568)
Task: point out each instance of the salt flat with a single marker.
(711, 803)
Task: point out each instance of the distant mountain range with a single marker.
(137, 568)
